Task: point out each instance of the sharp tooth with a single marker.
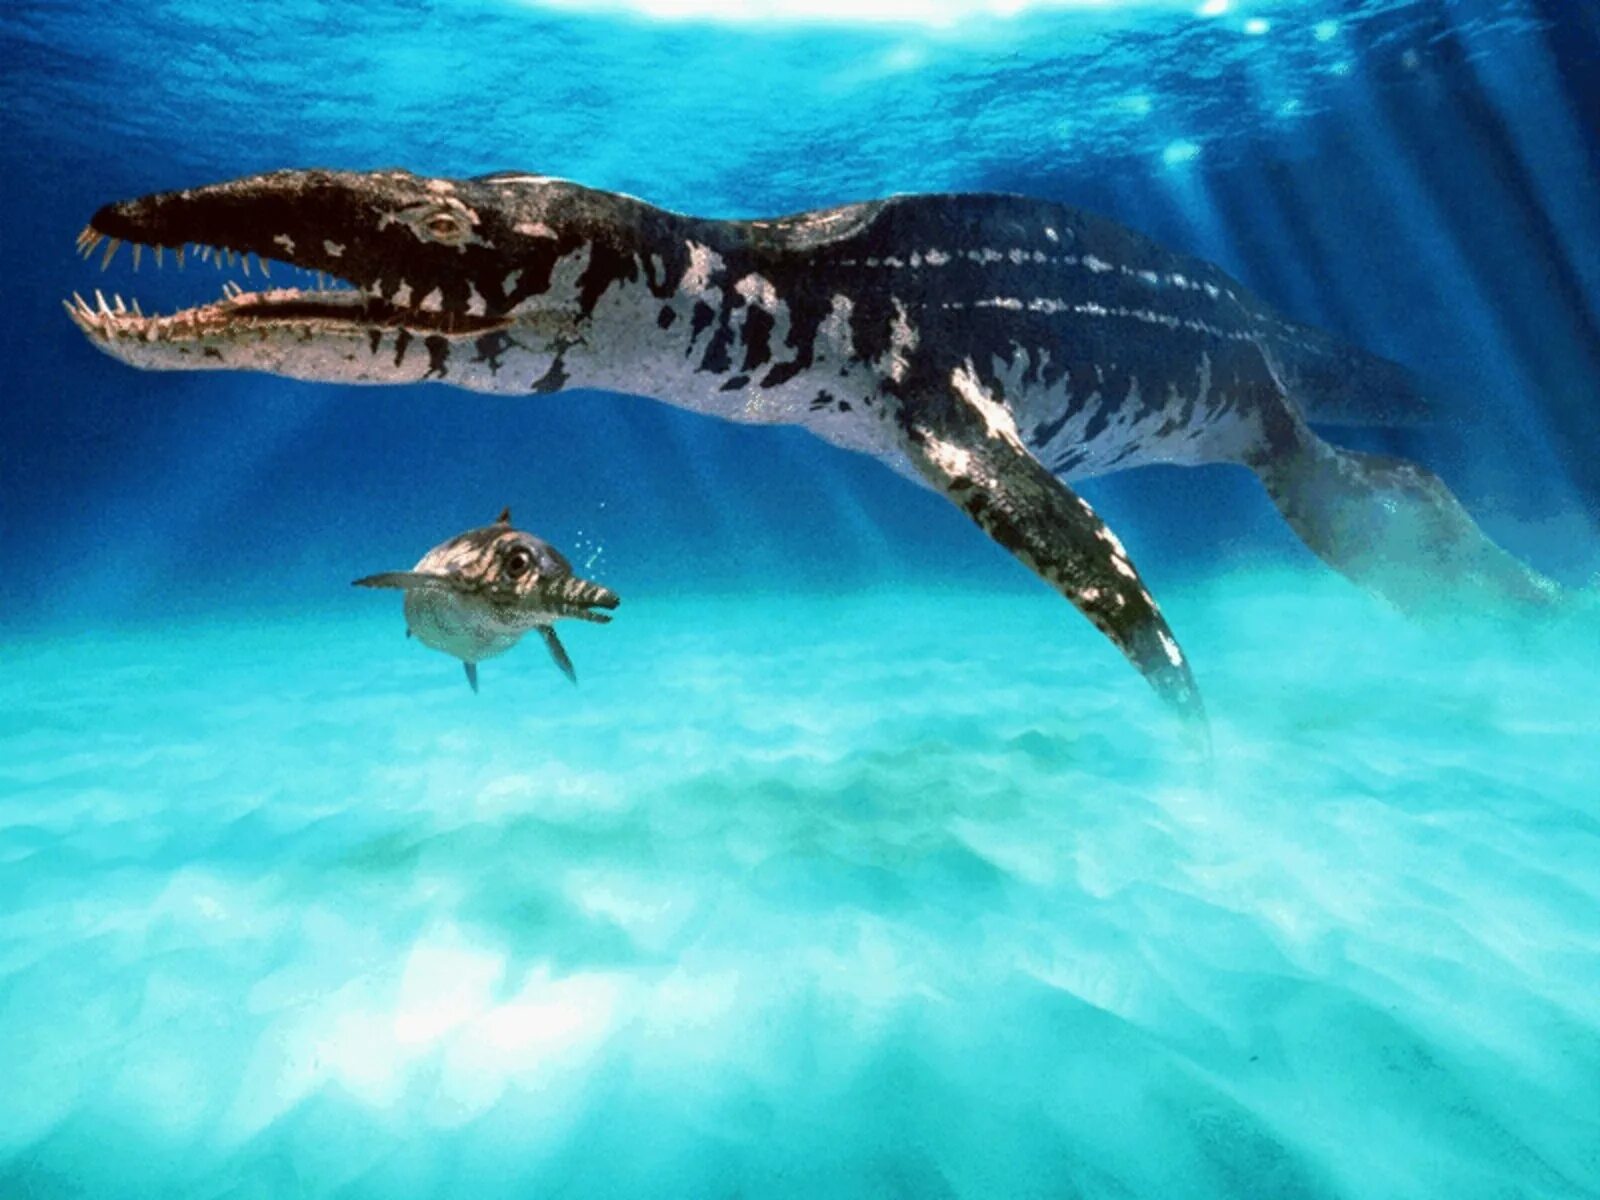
(100, 302)
(265, 270)
(116, 299)
(80, 302)
(137, 311)
(246, 262)
(137, 250)
(205, 253)
(181, 250)
(111, 251)
(160, 254)
(233, 258)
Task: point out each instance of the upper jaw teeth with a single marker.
(118, 315)
(90, 238)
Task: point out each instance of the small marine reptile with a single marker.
(993, 347)
(474, 596)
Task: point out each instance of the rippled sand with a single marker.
(894, 895)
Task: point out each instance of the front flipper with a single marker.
(472, 675)
(557, 651)
(964, 442)
(411, 580)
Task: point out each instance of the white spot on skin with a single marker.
(758, 290)
(475, 303)
(333, 249)
(1174, 655)
(1097, 265)
(1051, 234)
(936, 258)
(952, 460)
(402, 296)
(702, 262)
(432, 302)
(835, 327)
(902, 340)
(533, 229)
(997, 419)
(1112, 540)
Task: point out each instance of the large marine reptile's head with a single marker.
(440, 273)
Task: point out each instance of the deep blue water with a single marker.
(858, 866)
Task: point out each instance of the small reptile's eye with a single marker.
(518, 562)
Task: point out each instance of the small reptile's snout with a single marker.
(577, 597)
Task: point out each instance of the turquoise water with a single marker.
(888, 904)
(858, 865)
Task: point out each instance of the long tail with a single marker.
(1335, 383)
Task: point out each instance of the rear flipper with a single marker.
(1393, 528)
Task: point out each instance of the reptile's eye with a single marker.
(518, 563)
(443, 225)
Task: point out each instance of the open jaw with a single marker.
(574, 597)
(327, 305)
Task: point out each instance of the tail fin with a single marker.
(1393, 528)
(1334, 383)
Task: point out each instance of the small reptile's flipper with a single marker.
(406, 580)
(963, 441)
(557, 651)
(472, 675)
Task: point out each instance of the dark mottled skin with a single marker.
(993, 346)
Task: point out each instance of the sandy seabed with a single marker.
(903, 894)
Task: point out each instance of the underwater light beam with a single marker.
(935, 13)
